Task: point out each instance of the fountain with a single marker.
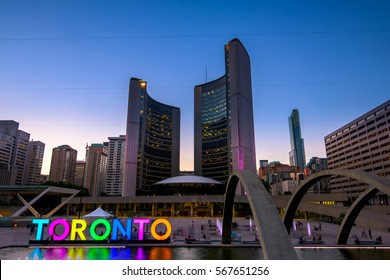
(308, 229)
(219, 226)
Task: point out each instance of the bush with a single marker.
(340, 219)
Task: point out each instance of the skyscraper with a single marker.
(32, 173)
(79, 173)
(297, 153)
(116, 153)
(223, 120)
(152, 141)
(63, 164)
(13, 153)
(95, 169)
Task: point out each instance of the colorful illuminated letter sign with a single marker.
(60, 229)
(162, 236)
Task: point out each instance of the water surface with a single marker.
(183, 253)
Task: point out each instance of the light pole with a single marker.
(80, 203)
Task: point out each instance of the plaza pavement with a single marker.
(196, 227)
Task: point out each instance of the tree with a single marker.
(266, 185)
(83, 191)
(340, 219)
(130, 213)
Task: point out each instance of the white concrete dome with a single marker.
(188, 179)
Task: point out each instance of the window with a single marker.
(381, 124)
(380, 111)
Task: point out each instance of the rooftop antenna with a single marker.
(206, 74)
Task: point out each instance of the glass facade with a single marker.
(166, 206)
(297, 154)
(216, 160)
(155, 155)
(152, 141)
(223, 120)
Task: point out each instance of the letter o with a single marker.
(167, 233)
(93, 229)
(54, 224)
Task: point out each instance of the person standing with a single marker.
(32, 228)
(364, 234)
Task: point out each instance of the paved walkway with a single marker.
(328, 231)
(196, 227)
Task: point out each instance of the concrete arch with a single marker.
(376, 183)
(275, 242)
(353, 212)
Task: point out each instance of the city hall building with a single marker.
(152, 141)
(223, 119)
(224, 142)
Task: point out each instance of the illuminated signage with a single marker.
(76, 229)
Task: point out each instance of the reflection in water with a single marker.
(320, 254)
(76, 253)
(55, 253)
(366, 254)
(98, 254)
(182, 253)
(140, 254)
(113, 253)
(160, 253)
(35, 254)
(216, 253)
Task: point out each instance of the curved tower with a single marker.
(224, 127)
(152, 141)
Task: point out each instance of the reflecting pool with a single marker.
(183, 253)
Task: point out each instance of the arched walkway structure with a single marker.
(275, 242)
(353, 212)
(376, 183)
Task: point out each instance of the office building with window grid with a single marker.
(63, 164)
(116, 153)
(33, 168)
(362, 144)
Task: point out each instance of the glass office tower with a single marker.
(223, 119)
(152, 141)
(297, 153)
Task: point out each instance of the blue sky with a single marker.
(65, 65)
